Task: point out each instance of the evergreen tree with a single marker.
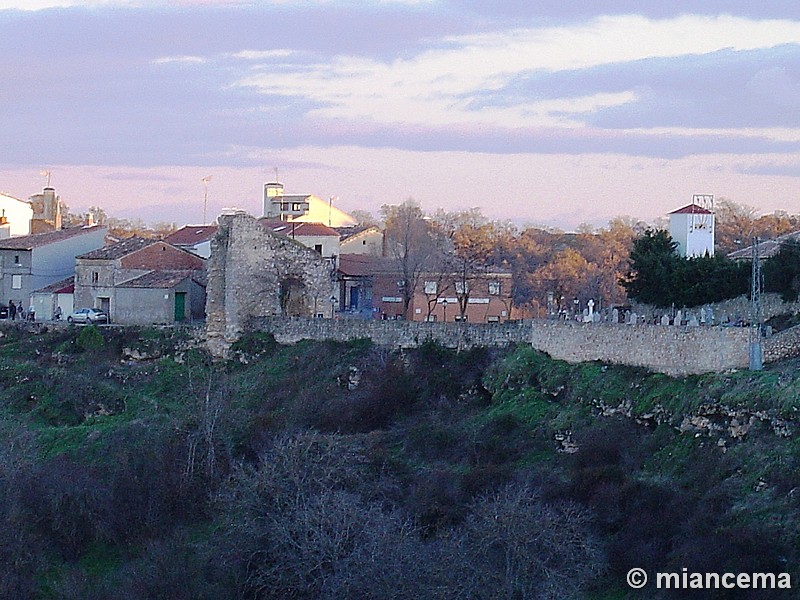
(782, 272)
(653, 265)
(660, 277)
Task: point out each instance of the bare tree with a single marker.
(412, 243)
(513, 545)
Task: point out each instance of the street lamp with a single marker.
(334, 302)
(444, 309)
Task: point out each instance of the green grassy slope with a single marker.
(133, 465)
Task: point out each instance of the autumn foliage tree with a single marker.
(412, 243)
(737, 224)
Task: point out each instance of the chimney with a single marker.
(5, 226)
(46, 211)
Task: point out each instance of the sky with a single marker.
(542, 112)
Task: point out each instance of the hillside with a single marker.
(133, 466)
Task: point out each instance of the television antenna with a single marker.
(205, 181)
(702, 219)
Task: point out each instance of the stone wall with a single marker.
(397, 334)
(728, 310)
(780, 346)
(247, 270)
(671, 350)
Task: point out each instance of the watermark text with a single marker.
(687, 580)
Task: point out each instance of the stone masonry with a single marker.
(255, 273)
(783, 345)
(262, 281)
(676, 351)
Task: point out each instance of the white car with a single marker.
(88, 315)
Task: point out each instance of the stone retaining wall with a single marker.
(780, 346)
(672, 350)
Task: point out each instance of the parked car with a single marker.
(88, 315)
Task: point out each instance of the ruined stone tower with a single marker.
(254, 273)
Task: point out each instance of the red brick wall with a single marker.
(162, 257)
(385, 285)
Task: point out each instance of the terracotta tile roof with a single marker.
(363, 265)
(118, 249)
(290, 228)
(65, 286)
(189, 235)
(37, 240)
(157, 279)
(691, 209)
(345, 233)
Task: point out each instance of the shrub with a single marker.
(513, 545)
(90, 339)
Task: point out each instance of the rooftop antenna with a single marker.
(706, 202)
(205, 181)
(46, 173)
(330, 209)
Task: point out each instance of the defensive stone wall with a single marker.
(672, 350)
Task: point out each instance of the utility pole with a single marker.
(756, 356)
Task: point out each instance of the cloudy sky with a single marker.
(546, 112)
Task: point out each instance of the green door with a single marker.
(180, 306)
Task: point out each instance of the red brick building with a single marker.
(372, 287)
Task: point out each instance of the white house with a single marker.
(303, 208)
(18, 214)
(31, 262)
(194, 238)
(60, 294)
(316, 236)
(361, 240)
(692, 227)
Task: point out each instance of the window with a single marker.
(16, 282)
(461, 319)
(296, 206)
(462, 287)
(95, 277)
(430, 287)
(318, 248)
(494, 288)
(16, 259)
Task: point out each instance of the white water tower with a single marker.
(692, 226)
